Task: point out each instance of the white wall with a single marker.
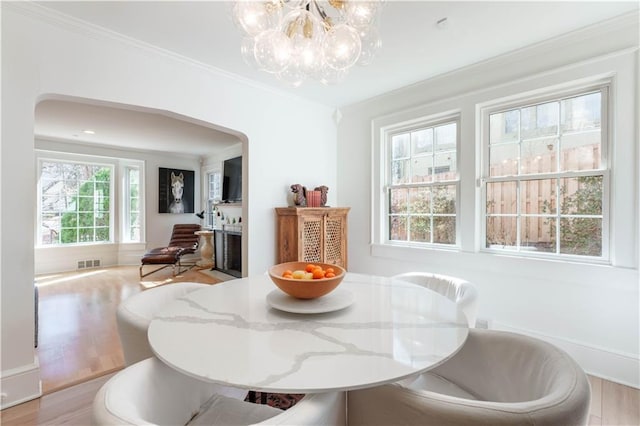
(44, 55)
(590, 310)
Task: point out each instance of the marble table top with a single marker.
(230, 334)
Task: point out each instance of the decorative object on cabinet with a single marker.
(312, 234)
(323, 194)
(308, 198)
(299, 194)
(313, 198)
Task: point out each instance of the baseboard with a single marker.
(599, 362)
(20, 385)
(217, 274)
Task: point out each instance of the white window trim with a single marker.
(125, 166)
(620, 68)
(210, 221)
(383, 129)
(117, 189)
(520, 101)
(68, 158)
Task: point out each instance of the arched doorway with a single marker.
(74, 130)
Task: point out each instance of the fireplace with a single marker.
(228, 252)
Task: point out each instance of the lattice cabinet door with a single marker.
(310, 234)
(335, 240)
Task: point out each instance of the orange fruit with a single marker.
(310, 267)
(330, 270)
(287, 272)
(285, 275)
(318, 273)
(329, 275)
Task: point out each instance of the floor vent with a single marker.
(91, 263)
(483, 323)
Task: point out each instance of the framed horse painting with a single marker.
(176, 190)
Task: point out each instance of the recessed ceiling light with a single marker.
(442, 23)
(89, 132)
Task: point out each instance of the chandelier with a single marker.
(308, 39)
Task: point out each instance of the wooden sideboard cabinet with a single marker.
(309, 234)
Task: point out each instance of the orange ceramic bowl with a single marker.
(305, 289)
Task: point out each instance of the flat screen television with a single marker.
(232, 180)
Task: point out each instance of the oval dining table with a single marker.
(246, 333)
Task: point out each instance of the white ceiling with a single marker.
(414, 47)
(124, 127)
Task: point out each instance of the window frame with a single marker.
(112, 198)
(125, 229)
(212, 201)
(605, 170)
(386, 159)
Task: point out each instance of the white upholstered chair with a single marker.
(462, 292)
(135, 313)
(151, 393)
(318, 409)
(497, 379)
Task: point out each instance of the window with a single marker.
(545, 176)
(422, 183)
(75, 202)
(214, 195)
(132, 204)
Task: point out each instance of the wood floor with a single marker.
(613, 404)
(77, 338)
(69, 406)
(79, 349)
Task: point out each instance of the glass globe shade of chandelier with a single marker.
(308, 39)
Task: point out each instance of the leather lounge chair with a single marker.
(183, 241)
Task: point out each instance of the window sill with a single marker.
(410, 252)
(531, 253)
(518, 267)
(418, 253)
(75, 245)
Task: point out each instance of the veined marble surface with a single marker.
(229, 334)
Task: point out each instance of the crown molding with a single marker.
(78, 26)
(626, 23)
